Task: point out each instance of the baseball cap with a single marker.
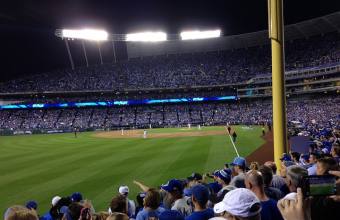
(32, 204)
(200, 193)
(171, 215)
(76, 197)
(285, 157)
(123, 190)
(55, 200)
(288, 163)
(239, 161)
(173, 185)
(224, 175)
(195, 176)
(239, 202)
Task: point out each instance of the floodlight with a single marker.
(86, 34)
(147, 36)
(193, 35)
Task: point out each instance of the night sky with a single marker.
(28, 44)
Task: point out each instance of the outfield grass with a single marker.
(39, 167)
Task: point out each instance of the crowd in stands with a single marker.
(236, 191)
(183, 70)
(311, 115)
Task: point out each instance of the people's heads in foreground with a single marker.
(294, 175)
(239, 204)
(20, 213)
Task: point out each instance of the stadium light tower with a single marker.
(147, 36)
(276, 35)
(85, 34)
(194, 35)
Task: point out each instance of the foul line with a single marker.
(232, 142)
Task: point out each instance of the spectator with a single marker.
(174, 188)
(151, 209)
(270, 191)
(117, 216)
(224, 178)
(20, 213)
(124, 191)
(326, 164)
(239, 204)
(313, 158)
(76, 197)
(171, 215)
(254, 182)
(200, 197)
(294, 175)
(278, 182)
(118, 204)
(239, 167)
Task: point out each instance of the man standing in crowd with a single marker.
(254, 182)
(239, 167)
(200, 197)
(181, 203)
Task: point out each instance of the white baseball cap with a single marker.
(239, 202)
(55, 200)
(123, 190)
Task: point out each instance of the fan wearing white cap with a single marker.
(238, 204)
(124, 191)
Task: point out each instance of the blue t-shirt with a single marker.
(146, 214)
(270, 211)
(202, 215)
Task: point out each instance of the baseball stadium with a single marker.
(202, 123)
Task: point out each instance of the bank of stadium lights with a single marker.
(147, 36)
(85, 34)
(195, 35)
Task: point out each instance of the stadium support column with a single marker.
(69, 53)
(84, 50)
(276, 35)
(100, 53)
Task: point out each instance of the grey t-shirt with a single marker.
(238, 181)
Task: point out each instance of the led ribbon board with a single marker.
(114, 103)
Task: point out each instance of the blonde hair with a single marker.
(117, 216)
(20, 213)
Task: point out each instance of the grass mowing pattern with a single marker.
(41, 166)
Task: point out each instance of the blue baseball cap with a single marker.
(285, 157)
(239, 161)
(215, 187)
(76, 197)
(224, 175)
(200, 193)
(171, 215)
(32, 205)
(173, 185)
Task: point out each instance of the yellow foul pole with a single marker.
(276, 35)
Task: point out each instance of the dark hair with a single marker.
(329, 163)
(74, 210)
(119, 204)
(152, 199)
(267, 174)
(336, 149)
(55, 210)
(295, 156)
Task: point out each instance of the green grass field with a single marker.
(39, 167)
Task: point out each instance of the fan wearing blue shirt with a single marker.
(254, 181)
(200, 197)
(151, 204)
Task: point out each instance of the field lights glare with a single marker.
(147, 36)
(193, 35)
(86, 34)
